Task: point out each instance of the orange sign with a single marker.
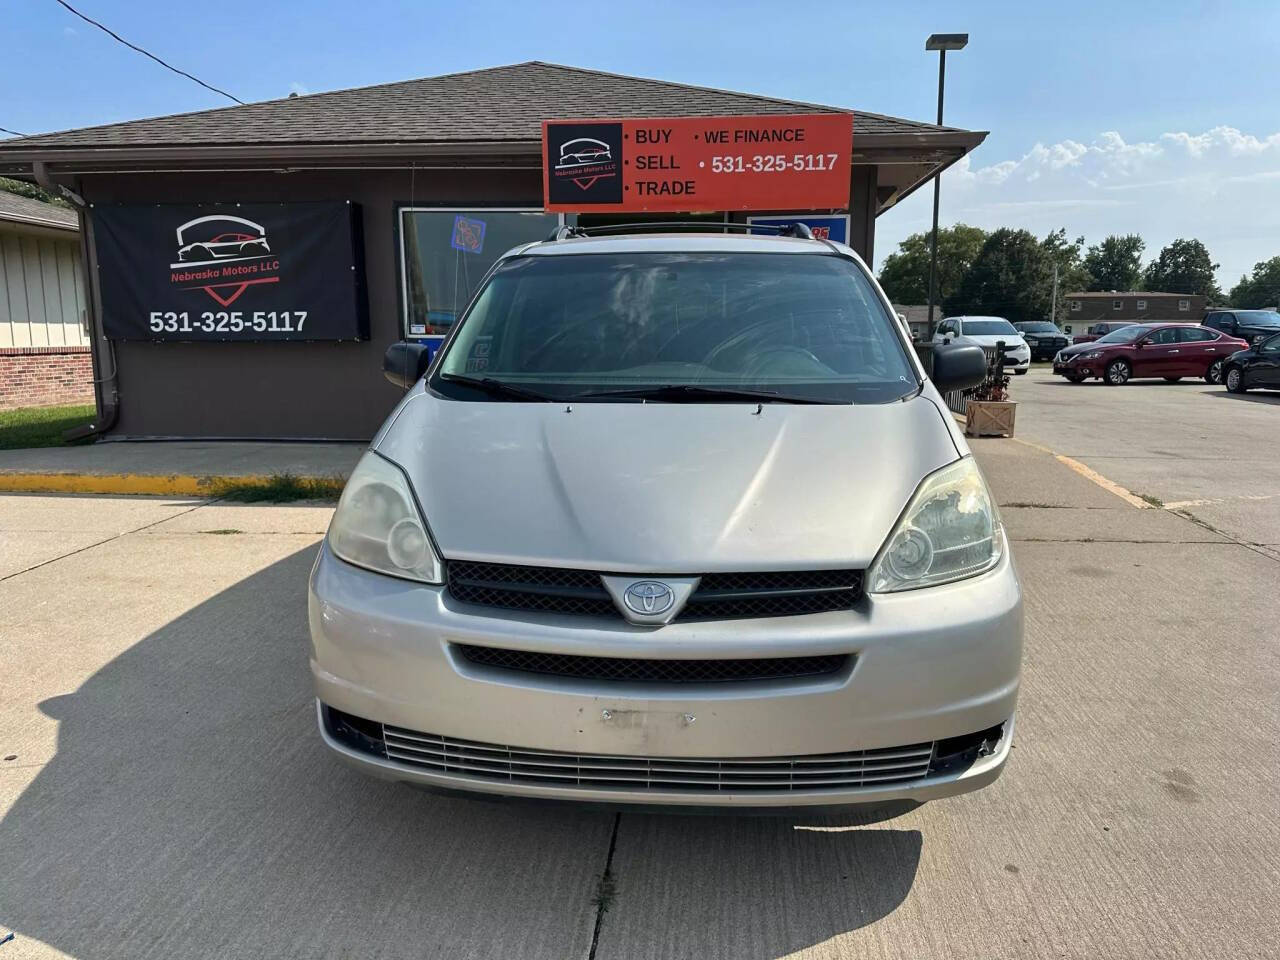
(697, 164)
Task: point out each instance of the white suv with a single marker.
(989, 331)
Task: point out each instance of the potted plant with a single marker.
(989, 412)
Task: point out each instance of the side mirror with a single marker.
(1144, 342)
(958, 366)
(404, 363)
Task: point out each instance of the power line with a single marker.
(13, 132)
(131, 46)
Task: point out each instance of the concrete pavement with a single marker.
(169, 797)
(1194, 447)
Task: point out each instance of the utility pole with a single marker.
(1053, 303)
(942, 42)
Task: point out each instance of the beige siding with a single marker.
(41, 292)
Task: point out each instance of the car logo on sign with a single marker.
(648, 597)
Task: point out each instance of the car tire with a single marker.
(1117, 373)
(1214, 373)
(1234, 380)
(1172, 379)
(1075, 377)
(1021, 372)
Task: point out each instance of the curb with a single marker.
(130, 484)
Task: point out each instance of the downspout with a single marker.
(106, 389)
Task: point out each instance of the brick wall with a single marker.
(37, 376)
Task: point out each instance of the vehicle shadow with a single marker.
(1157, 382)
(743, 887)
(1263, 398)
(191, 810)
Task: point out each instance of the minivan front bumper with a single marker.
(927, 666)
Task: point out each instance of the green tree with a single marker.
(1115, 263)
(1073, 273)
(1259, 289)
(1012, 277)
(1184, 266)
(32, 191)
(905, 273)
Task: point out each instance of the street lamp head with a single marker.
(947, 41)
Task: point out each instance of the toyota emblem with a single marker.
(648, 597)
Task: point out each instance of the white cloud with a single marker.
(1218, 186)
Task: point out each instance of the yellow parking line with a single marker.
(1090, 474)
(131, 484)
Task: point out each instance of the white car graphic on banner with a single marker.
(219, 239)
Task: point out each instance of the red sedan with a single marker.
(1168, 350)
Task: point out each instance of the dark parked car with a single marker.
(1259, 366)
(1168, 350)
(1249, 325)
(1044, 339)
(1101, 330)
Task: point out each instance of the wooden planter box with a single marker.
(989, 418)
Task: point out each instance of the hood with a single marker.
(1076, 348)
(991, 339)
(665, 487)
(1046, 335)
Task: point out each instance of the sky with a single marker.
(1160, 119)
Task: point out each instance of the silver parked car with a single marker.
(674, 520)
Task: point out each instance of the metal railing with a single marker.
(958, 400)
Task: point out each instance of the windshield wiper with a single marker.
(498, 388)
(677, 392)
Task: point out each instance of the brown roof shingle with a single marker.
(497, 104)
(19, 209)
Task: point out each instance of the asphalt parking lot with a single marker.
(163, 793)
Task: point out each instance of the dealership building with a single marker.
(247, 267)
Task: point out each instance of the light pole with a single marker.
(942, 42)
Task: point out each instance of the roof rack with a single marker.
(566, 231)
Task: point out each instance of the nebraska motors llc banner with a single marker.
(251, 271)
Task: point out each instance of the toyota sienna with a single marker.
(672, 520)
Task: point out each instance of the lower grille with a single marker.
(720, 596)
(468, 758)
(654, 671)
(491, 762)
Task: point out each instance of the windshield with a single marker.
(786, 324)
(1036, 328)
(1259, 318)
(985, 328)
(1124, 334)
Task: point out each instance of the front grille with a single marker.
(654, 671)
(487, 761)
(720, 596)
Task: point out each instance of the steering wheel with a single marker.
(782, 361)
(532, 358)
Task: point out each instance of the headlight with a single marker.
(949, 531)
(377, 524)
(1091, 356)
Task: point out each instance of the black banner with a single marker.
(583, 163)
(249, 271)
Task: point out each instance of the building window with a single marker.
(1117, 304)
(444, 253)
(1184, 306)
(1076, 306)
(1142, 304)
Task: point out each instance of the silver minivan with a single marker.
(675, 520)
